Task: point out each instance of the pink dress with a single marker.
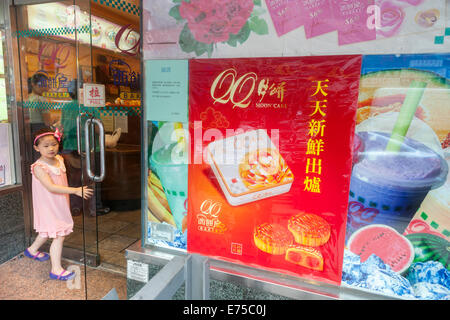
(52, 215)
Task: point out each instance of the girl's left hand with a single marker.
(84, 192)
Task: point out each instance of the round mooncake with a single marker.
(309, 229)
(307, 257)
(272, 238)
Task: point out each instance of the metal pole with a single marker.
(197, 277)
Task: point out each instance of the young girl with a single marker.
(52, 217)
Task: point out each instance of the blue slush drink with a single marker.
(388, 187)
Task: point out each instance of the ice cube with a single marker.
(374, 262)
(431, 291)
(350, 257)
(432, 272)
(390, 283)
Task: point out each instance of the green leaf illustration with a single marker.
(188, 43)
(240, 37)
(175, 13)
(258, 11)
(259, 26)
(257, 2)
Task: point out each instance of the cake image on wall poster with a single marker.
(270, 161)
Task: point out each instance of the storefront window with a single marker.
(390, 235)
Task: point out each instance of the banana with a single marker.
(157, 209)
(154, 183)
(184, 223)
(151, 217)
(161, 196)
(153, 179)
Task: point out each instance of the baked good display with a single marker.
(309, 229)
(263, 168)
(272, 238)
(307, 257)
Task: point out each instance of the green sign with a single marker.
(166, 90)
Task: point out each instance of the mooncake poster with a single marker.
(270, 161)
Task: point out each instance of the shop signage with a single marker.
(51, 54)
(130, 95)
(271, 159)
(127, 78)
(94, 95)
(129, 38)
(59, 81)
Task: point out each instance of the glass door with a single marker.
(55, 41)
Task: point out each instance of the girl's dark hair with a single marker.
(41, 131)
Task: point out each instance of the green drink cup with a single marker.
(170, 164)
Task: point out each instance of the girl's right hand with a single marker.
(84, 192)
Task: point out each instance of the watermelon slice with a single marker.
(385, 242)
(428, 247)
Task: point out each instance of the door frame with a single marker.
(25, 139)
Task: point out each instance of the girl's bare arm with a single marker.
(47, 182)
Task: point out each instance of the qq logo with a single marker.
(208, 218)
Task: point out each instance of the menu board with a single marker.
(270, 161)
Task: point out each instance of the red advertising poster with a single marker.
(270, 161)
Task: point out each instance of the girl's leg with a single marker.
(38, 242)
(55, 256)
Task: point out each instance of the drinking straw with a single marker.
(178, 126)
(407, 111)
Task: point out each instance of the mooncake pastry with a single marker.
(263, 168)
(272, 238)
(307, 257)
(309, 229)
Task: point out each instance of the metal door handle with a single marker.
(82, 114)
(91, 175)
(78, 134)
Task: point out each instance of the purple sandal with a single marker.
(61, 277)
(35, 257)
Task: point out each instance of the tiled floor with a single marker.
(117, 231)
(24, 279)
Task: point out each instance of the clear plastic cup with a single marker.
(388, 187)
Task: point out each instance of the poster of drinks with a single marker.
(399, 199)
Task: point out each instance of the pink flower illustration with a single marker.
(392, 16)
(212, 21)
